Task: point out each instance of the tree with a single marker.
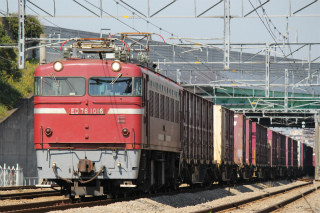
(14, 83)
(8, 56)
(33, 28)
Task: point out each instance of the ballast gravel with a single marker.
(190, 202)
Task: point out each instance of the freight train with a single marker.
(113, 124)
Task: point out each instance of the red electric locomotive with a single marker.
(94, 130)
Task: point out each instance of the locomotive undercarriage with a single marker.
(109, 171)
(89, 172)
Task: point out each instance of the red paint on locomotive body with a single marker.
(85, 118)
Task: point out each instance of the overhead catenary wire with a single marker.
(181, 57)
(203, 63)
(271, 33)
(285, 56)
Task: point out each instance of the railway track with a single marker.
(61, 204)
(9, 188)
(29, 195)
(259, 203)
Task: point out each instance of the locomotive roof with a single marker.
(83, 67)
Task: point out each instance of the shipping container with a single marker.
(239, 139)
(303, 154)
(223, 135)
(261, 146)
(308, 160)
(282, 149)
(289, 152)
(295, 153)
(299, 144)
(197, 128)
(248, 142)
(254, 138)
(272, 143)
(313, 159)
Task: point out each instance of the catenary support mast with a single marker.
(21, 39)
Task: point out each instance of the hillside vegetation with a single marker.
(14, 83)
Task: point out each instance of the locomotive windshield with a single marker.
(60, 86)
(115, 86)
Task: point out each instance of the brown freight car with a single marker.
(197, 138)
(224, 142)
(242, 146)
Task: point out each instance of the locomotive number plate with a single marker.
(87, 111)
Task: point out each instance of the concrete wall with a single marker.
(16, 139)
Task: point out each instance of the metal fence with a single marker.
(11, 176)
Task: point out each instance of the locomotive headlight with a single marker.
(125, 132)
(58, 66)
(48, 131)
(115, 66)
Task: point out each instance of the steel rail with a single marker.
(29, 195)
(287, 201)
(7, 188)
(248, 200)
(33, 206)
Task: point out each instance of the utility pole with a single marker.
(316, 147)
(226, 34)
(21, 39)
(43, 49)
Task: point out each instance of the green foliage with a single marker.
(8, 63)
(15, 84)
(3, 110)
(12, 89)
(33, 28)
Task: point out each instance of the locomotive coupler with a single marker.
(85, 166)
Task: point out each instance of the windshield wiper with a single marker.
(114, 80)
(55, 80)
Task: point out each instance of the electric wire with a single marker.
(181, 57)
(42, 17)
(112, 16)
(285, 57)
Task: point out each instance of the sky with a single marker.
(178, 19)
